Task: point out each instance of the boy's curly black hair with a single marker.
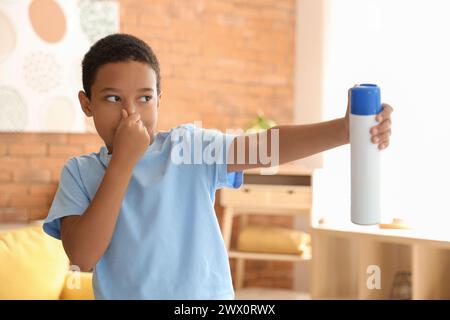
(116, 48)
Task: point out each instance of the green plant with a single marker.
(260, 123)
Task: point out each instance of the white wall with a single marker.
(403, 46)
(309, 60)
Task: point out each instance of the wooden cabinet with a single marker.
(286, 193)
(411, 263)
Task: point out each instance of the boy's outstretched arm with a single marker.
(300, 141)
(86, 237)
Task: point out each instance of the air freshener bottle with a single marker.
(365, 104)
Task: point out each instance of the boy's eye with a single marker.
(145, 98)
(113, 98)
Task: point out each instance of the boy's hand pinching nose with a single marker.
(131, 139)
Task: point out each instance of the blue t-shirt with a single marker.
(167, 243)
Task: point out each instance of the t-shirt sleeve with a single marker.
(70, 199)
(218, 169)
(227, 179)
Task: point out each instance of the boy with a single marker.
(140, 218)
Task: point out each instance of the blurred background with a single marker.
(253, 63)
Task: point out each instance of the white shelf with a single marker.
(268, 256)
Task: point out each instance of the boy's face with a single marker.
(127, 85)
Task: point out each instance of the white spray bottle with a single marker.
(365, 104)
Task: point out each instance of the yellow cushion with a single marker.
(274, 240)
(78, 286)
(32, 264)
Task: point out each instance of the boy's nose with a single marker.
(130, 108)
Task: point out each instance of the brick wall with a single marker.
(30, 166)
(221, 62)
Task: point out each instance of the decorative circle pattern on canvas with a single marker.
(8, 36)
(47, 19)
(59, 115)
(13, 109)
(41, 71)
(97, 18)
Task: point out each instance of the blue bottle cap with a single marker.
(365, 99)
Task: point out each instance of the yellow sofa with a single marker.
(33, 265)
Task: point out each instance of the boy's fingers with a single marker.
(387, 109)
(124, 114)
(382, 127)
(383, 145)
(386, 113)
(134, 117)
(382, 137)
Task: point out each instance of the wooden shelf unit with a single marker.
(286, 193)
(267, 256)
(342, 255)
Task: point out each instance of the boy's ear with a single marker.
(85, 103)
